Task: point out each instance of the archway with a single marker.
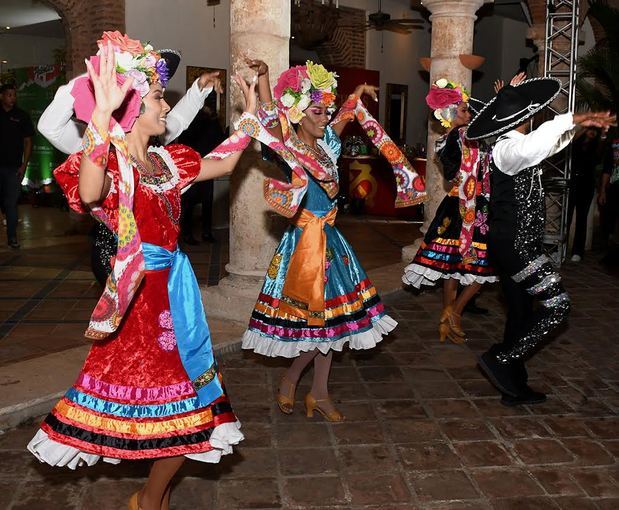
(84, 21)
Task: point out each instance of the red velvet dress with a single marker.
(133, 398)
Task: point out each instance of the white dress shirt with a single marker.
(64, 133)
(515, 151)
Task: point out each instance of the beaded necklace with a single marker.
(154, 176)
(317, 153)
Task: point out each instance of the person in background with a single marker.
(586, 154)
(203, 135)
(150, 387)
(454, 250)
(536, 301)
(316, 297)
(16, 131)
(608, 198)
(65, 133)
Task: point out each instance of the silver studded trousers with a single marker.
(527, 281)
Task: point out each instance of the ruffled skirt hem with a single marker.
(54, 453)
(417, 275)
(268, 346)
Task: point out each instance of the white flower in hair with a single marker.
(442, 83)
(124, 61)
(304, 102)
(305, 85)
(288, 100)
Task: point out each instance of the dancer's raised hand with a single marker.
(370, 90)
(249, 91)
(514, 82)
(603, 120)
(259, 66)
(211, 79)
(518, 79)
(109, 95)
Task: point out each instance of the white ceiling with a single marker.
(18, 13)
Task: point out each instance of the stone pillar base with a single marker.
(234, 298)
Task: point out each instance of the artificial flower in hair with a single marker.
(140, 60)
(299, 86)
(319, 77)
(133, 60)
(444, 97)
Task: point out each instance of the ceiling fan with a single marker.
(382, 21)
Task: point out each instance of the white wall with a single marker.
(187, 26)
(28, 50)
(502, 41)
(398, 62)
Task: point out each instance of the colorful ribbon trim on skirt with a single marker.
(303, 294)
(410, 185)
(193, 337)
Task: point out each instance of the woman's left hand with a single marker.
(211, 80)
(514, 82)
(249, 91)
(364, 88)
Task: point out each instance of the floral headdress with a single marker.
(300, 86)
(133, 60)
(444, 98)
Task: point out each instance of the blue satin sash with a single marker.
(193, 337)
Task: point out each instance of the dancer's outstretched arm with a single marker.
(56, 123)
(513, 155)
(267, 106)
(223, 159)
(189, 105)
(364, 88)
(63, 132)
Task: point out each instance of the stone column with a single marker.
(258, 29)
(452, 36)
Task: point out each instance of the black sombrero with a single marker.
(512, 106)
(172, 59)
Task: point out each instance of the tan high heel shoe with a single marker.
(285, 402)
(445, 331)
(133, 502)
(453, 319)
(312, 404)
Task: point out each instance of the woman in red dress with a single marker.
(150, 387)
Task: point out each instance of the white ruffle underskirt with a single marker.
(417, 275)
(268, 346)
(57, 454)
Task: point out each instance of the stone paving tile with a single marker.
(557, 481)
(542, 451)
(432, 485)
(424, 429)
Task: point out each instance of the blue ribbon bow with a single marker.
(193, 337)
